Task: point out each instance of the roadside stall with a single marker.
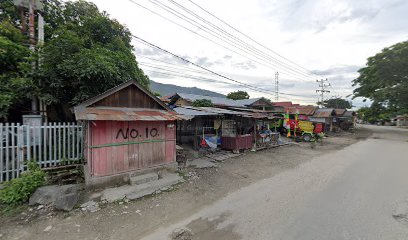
(265, 127)
(236, 129)
(237, 135)
(266, 136)
(324, 116)
(210, 127)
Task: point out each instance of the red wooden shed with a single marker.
(128, 129)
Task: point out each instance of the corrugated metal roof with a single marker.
(349, 114)
(339, 111)
(248, 102)
(124, 114)
(189, 113)
(219, 101)
(256, 115)
(215, 100)
(302, 110)
(282, 104)
(223, 111)
(323, 112)
(250, 110)
(192, 112)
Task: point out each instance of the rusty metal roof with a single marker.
(187, 111)
(256, 115)
(339, 111)
(223, 101)
(323, 112)
(302, 110)
(349, 114)
(282, 104)
(124, 114)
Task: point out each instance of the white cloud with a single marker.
(332, 37)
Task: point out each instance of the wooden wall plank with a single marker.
(170, 142)
(130, 97)
(117, 158)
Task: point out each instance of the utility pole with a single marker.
(34, 8)
(277, 87)
(40, 44)
(31, 33)
(323, 85)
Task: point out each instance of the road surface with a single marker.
(359, 192)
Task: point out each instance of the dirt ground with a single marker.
(133, 220)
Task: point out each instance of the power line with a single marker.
(175, 74)
(205, 30)
(183, 75)
(169, 74)
(245, 35)
(240, 46)
(188, 68)
(277, 87)
(208, 70)
(162, 61)
(172, 68)
(235, 38)
(250, 38)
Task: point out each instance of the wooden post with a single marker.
(195, 144)
(255, 145)
(331, 123)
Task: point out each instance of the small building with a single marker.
(304, 112)
(402, 121)
(283, 106)
(207, 125)
(194, 123)
(128, 129)
(257, 103)
(229, 129)
(344, 119)
(185, 99)
(325, 116)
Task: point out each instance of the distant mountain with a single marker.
(168, 89)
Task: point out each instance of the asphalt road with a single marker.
(359, 192)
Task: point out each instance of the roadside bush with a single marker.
(18, 190)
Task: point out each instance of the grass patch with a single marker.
(182, 174)
(7, 211)
(19, 190)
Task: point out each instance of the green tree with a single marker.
(9, 12)
(337, 103)
(375, 113)
(202, 103)
(85, 53)
(15, 81)
(238, 95)
(384, 80)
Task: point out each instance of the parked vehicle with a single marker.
(306, 129)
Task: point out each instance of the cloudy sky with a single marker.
(303, 40)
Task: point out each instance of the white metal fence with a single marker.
(49, 145)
